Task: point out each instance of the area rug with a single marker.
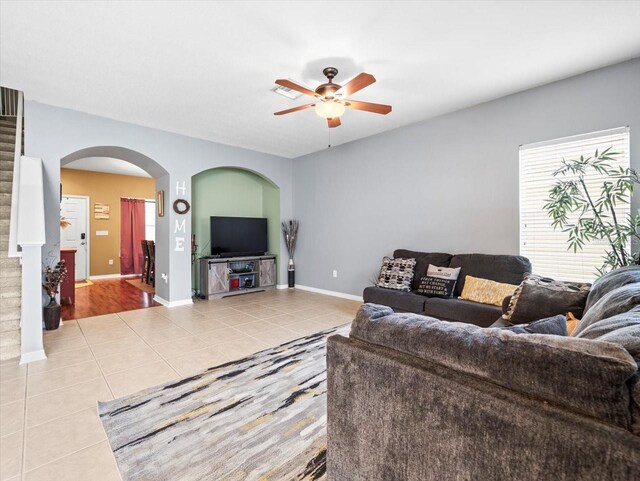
(84, 283)
(143, 286)
(258, 418)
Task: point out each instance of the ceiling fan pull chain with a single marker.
(329, 133)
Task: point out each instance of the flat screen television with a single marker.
(238, 236)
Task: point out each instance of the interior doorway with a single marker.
(108, 209)
(74, 231)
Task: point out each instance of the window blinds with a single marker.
(544, 246)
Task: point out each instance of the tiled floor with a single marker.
(49, 428)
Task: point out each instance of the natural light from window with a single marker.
(150, 220)
(545, 246)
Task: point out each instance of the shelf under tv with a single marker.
(216, 275)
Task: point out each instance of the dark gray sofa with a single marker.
(500, 268)
(414, 398)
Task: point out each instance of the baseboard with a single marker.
(342, 295)
(164, 302)
(33, 356)
(282, 286)
(112, 276)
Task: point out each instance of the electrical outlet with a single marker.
(335, 273)
(110, 262)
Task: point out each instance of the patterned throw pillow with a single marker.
(439, 281)
(538, 297)
(486, 291)
(396, 273)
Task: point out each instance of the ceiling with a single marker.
(204, 69)
(107, 165)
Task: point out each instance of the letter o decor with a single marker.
(181, 206)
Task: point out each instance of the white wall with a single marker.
(52, 133)
(448, 184)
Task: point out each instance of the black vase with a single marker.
(51, 315)
(292, 278)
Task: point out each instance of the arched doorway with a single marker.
(232, 192)
(112, 184)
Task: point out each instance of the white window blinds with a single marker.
(544, 246)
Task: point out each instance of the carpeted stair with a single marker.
(10, 269)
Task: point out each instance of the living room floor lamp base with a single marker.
(290, 233)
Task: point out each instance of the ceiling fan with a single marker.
(332, 98)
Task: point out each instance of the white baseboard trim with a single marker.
(351, 297)
(164, 302)
(112, 276)
(282, 286)
(32, 356)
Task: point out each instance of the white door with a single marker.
(76, 235)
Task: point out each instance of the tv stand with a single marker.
(231, 276)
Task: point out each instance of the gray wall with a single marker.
(53, 133)
(447, 184)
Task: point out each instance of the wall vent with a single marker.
(286, 92)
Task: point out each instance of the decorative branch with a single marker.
(290, 233)
(53, 277)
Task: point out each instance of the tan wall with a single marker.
(105, 189)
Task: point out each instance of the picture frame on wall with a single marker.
(160, 203)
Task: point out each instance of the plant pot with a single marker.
(51, 315)
(292, 278)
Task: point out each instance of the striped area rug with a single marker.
(258, 418)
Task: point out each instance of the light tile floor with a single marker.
(49, 427)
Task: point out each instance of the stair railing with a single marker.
(14, 249)
(9, 102)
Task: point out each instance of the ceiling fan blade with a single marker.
(357, 83)
(294, 86)
(334, 122)
(368, 107)
(294, 109)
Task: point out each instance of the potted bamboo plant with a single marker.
(588, 213)
(53, 277)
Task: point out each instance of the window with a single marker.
(150, 220)
(545, 246)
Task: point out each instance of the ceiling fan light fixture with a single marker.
(329, 109)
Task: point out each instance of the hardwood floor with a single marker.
(106, 297)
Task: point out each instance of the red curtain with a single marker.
(131, 235)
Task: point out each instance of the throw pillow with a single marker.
(572, 322)
(556, 325)
(486, 291)
(622, 329)
(438, 282)
(617, 301)
(537, 297)
(396, 274)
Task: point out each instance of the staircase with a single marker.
(10, 269)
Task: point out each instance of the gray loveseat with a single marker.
(413, 398)
(500, 268)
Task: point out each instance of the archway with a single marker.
(112, 189)
(234, 192)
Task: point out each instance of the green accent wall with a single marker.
(226, 191)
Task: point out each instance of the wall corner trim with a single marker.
(342, 295)
(164, 302)
(33, 356)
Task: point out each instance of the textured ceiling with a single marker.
(204, 69)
